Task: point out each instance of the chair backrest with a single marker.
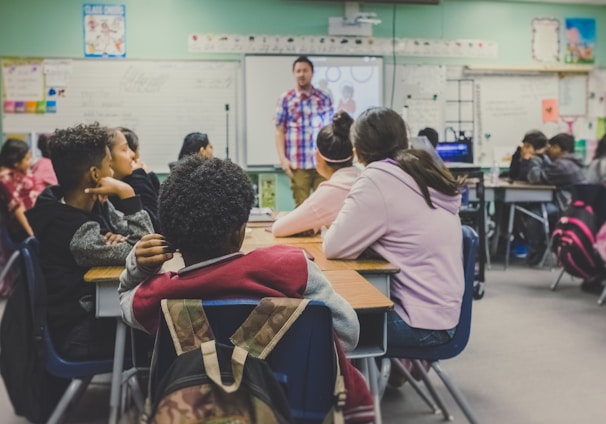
(461, 336)
(303, 360)
(36, 289)
(9, 251)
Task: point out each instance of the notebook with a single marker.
(261, 215)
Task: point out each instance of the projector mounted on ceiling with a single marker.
(354, 22)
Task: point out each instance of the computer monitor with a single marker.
(456, 151)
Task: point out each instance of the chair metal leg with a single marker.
(455, 392)
(434, 394)
(554, 285)
(135, 390)
(396, 363)
(602, 297)
(373, 380)
(547, 253)
(384, 372)
(72, 393)
(512, 212)
(114, 399)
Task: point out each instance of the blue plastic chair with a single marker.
(9, 251)
(451, 349)
(303, 360)
(80, 372)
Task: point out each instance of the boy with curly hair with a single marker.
(204, 205)
(78, 228)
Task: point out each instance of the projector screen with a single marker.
(268, 77)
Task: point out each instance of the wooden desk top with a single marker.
(354, 288)
(518, 185)
(103, 274)
(358, 292)
(380, 266)
(313, 245)
(260, 237)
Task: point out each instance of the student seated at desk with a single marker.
(404, 207)
(42, 170)
(123, 164)
(132, 140)
(210, 241)
(431, 134)
(195, 143)
(18, 187)
(559, 168)
(334, 161)
(78, 228)
(531, 151)
(596, 171)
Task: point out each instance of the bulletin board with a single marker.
(161, 101)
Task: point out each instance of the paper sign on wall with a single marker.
(550, 110)
(104, 30)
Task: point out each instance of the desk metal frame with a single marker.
(515, 193)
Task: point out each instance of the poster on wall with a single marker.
(104, 30)
(23, 86)
(580, 40)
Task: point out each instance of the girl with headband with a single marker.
(334, 157)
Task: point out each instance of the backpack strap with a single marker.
(264, 328)
(335, 415)
(187, 323)
(267, 324)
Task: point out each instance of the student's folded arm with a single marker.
(536, 174)
(128, 216)
(301, 219)
(130, 279)
(89, 247)
(144, 188)
(134, 274)
(360, 222)
(344, 318)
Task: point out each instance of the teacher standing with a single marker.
(300, 115)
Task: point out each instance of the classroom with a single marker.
(481, 72)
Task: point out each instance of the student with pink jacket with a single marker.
(404, 207)
(334, 161)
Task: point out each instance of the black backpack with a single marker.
(33, 392)
(573, 240)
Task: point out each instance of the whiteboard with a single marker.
(161, 101)
(509, 106)
(268, 77)
(419, 93)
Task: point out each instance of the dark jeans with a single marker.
(90, 339)
(400, 334)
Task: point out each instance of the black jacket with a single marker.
(71, 241)
(147, 187)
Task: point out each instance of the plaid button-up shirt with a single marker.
(302, 116)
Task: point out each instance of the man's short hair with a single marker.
(535, 138)
(303, 59)
(202, 202)
(564, 141)
(75, 150)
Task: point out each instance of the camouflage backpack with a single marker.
(215, 383)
